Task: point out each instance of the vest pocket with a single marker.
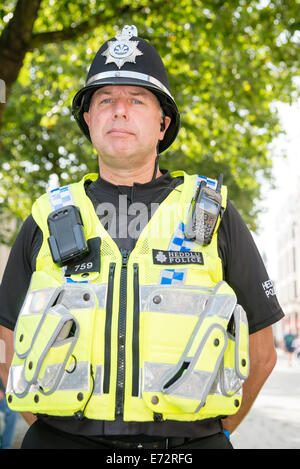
(236, 364)
(53, 343)
(189, 384)
(54, 376)
(195, 365)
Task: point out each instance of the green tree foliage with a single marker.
(228, 61)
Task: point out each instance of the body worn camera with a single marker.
(66, 241)
(203, 215)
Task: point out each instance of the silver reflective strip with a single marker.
(71, 296)
(100, 292)
(98, 389)
(79, 379)
(240, 317)
(173, 300)
(50, 376)
(229, 382)
(36, 301)
(128, 74)
(221, 305)
(197, 386)
(16, 382)
(15, 378)
(153, 374)
(225, 383)
(78, 297)
(140, 383)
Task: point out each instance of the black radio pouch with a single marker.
(67, 240)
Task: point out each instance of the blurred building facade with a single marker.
(288, 252)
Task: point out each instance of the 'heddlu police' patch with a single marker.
(176, 257)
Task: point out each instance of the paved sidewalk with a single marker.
(274, 420)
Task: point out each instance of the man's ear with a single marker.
(86, 116)
(163, 126)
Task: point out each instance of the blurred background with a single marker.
(234, 72)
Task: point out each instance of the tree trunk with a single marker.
(14, 43)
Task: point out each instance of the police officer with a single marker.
(130, 330)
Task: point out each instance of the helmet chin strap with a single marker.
(162, 127)
(155, 164)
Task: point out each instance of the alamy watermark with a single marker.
(2, 92)
(128, 220)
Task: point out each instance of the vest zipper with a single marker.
(121, 336)
(107, 349)
(136, 332)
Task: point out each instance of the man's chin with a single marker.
(121, 158)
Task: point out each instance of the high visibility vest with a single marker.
(149, 336)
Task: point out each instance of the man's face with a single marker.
(124, 124)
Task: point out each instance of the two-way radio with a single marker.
(204, 212)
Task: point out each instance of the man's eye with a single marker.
(137, 101)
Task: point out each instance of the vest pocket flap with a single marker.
(221, 303)
(192, 378)
(30, 317)
(242, 362)
(24, 333)
(56, 328)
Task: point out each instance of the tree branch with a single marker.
(96, 19)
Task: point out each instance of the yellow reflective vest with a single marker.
(147, 336)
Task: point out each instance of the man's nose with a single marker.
(120, 109)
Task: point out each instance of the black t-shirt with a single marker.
(243, 269)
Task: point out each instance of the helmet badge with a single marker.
(123, 49)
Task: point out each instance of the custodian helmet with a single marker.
(128, 60)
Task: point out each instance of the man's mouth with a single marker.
(116, 132)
